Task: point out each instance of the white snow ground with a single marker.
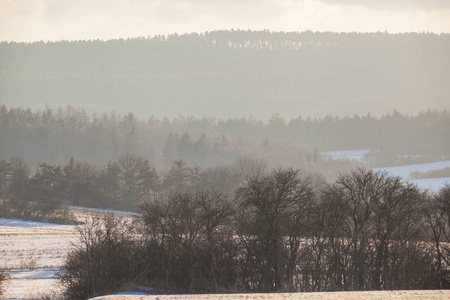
(431, 184)
(33, 252)
(84, 210)
(32, 284)
(370, 295)
(23, 223)
(356, 155)
(405, 171)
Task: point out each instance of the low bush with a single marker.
(3, 279)
(103, 259)
(49, 210)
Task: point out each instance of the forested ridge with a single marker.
(54, 136)
(233, 73)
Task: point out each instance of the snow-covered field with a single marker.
(431, 184)
(33, 252)
(371, 295)
(356, 155)
(79, 210)
(405, 171)
(33, 284)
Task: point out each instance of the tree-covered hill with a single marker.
(233, 74)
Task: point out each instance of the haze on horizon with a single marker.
(53, 20)
(379, 73)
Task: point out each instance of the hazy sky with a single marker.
(31, 20)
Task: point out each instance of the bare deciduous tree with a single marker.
(276, 215)
(103, 259)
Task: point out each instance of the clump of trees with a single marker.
(32, 198)
(278, 230)
(103, 259)
(121, 184)
(274, 212)
(186, 236)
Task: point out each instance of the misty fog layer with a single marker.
(226, 74)
(54, 136)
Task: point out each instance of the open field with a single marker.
(33, 252)
(370, 295)
(431, 184)
(405, 171)
(356, 155)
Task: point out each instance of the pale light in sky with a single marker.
(25, 20)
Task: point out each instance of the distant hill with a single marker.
(227, 74)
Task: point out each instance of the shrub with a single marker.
(3, 279)
(103, 258)
(49, 210)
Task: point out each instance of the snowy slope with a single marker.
(371, 295)
(431, 184)
(356, 155)
(405, 171)
(34, 253)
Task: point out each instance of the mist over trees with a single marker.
(233, 73)
(54, 136)
(222, 203)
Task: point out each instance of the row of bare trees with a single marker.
(279, 230)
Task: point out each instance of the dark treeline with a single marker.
(121, 184)
(223, 73)
(54, 136)
(276, 231)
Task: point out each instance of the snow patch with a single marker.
(431, 184)
(103, 210)
(368, 295)
(24, 223)
(47, 274)
(132, 293)
(356, 155)
(405, 171)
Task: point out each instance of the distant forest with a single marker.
(233, 74)
(54, 136)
